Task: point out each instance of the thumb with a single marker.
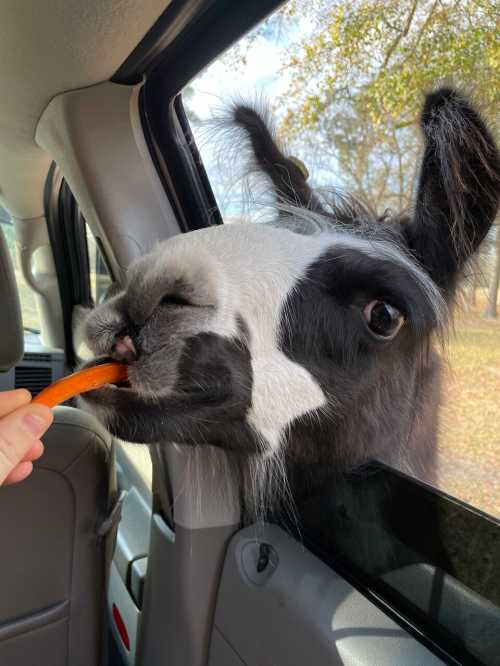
(19, 431)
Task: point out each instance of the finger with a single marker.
(11, 400)
(19, 431)
(19, 473)
(35, 452)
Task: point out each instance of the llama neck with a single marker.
(395, 422)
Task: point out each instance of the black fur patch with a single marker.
(208, 404)
(370, 384)
(459, 187)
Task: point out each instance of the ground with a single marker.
(469, 447)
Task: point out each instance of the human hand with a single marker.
(21, 426)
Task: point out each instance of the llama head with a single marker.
(267, 340)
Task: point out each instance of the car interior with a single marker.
(107, 556)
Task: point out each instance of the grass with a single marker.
(469, 442)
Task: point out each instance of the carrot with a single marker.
(80, 382)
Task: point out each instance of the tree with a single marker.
(357, 79)
(358, 82)
(357, 75)
(492, 302)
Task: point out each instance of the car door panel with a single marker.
(51, 559)
(297, 610)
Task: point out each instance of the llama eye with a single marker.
(383, 320)
(172, 299)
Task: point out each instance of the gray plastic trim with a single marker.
(52, 562)
(137, 578)
(95, 136)
(45, 646)
(222, 653)
(298, 611)
(133, 533)
(37, 265)
(180, 594)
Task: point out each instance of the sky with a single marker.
(263, 76)
(263, 71)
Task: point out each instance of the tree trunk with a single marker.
(492, 305)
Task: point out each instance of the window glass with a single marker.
(345, 83)
(407, 545)
(100, 278)
(31, 317)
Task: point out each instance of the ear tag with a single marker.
(300, 166)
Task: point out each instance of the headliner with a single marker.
(47, 49)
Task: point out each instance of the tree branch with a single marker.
(402, 34)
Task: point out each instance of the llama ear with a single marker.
(459, 187)
(288, 175)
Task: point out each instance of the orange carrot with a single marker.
(80, 382)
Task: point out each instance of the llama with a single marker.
(306, 342)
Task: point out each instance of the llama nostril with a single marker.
(124, 349)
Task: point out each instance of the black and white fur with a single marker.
(252, 337)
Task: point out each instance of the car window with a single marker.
(418, 550)
(99, 275)
(30, 313)
(346, 82)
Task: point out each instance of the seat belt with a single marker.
(106, 535)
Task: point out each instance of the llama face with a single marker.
(262, 339)
(296, 321)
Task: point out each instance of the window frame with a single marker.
(67, 234)
(394, 487)
(213, 26)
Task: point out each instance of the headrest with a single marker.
(11, 323)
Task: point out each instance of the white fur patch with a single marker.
(282, 391)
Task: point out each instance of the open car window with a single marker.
(99, 274)
(345, 86)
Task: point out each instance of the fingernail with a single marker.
(35, 424)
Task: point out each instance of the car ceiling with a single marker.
(47, 48)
